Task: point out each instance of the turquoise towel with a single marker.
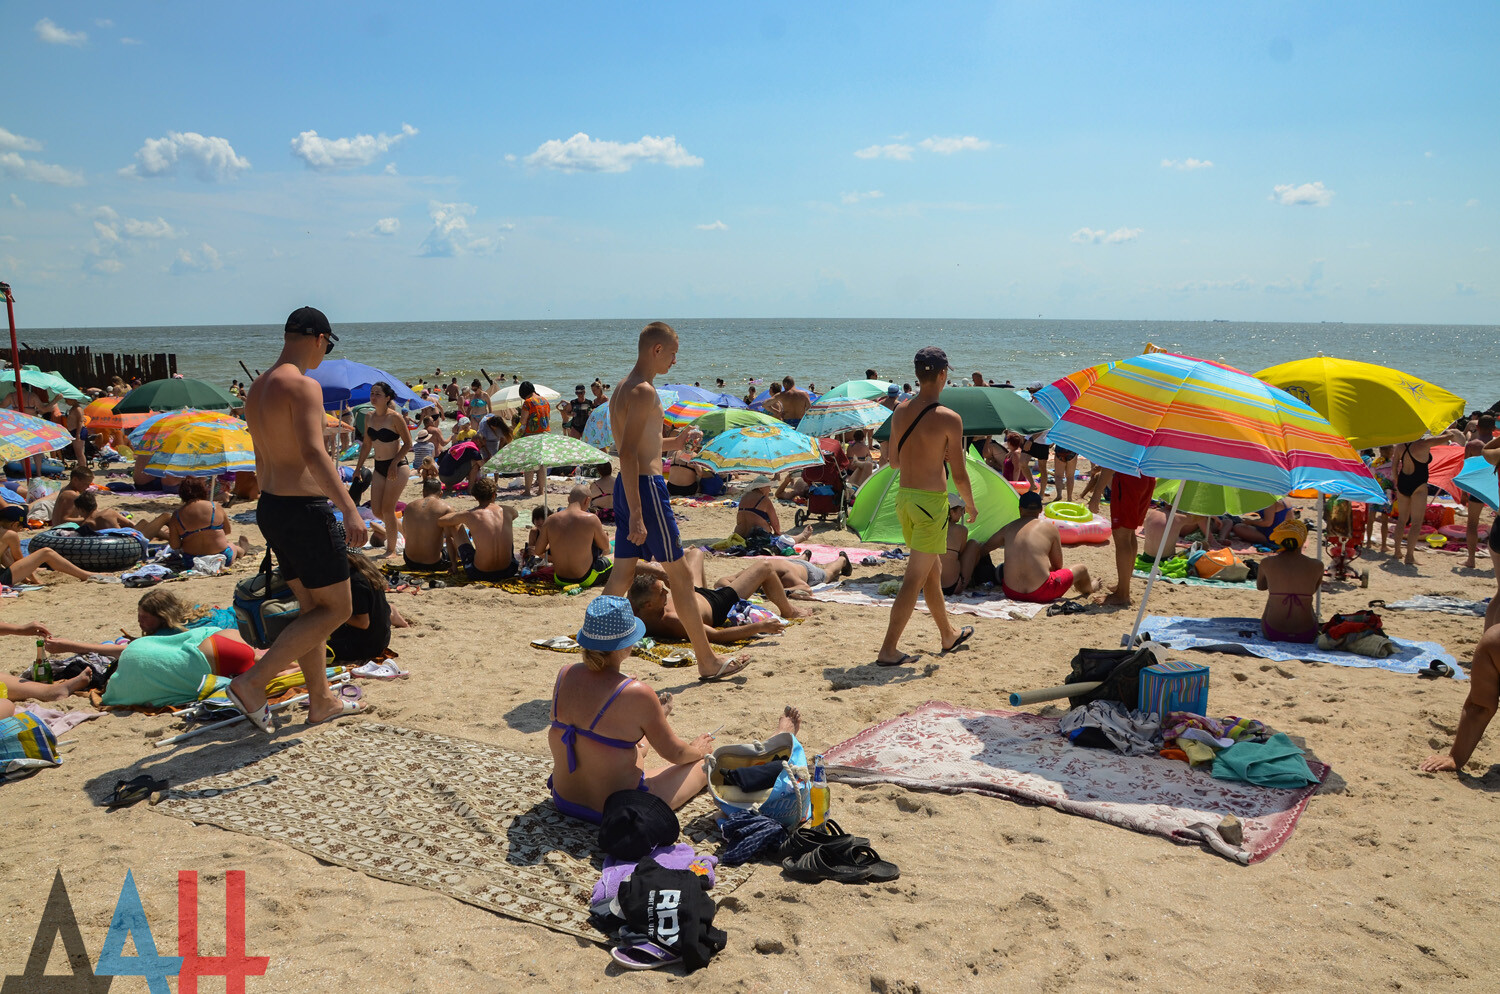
(1274, 763)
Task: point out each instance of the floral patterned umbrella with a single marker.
(149, 433)
(597, 432)
(541, 451)
(22, 435)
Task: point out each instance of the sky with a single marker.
(188, 163)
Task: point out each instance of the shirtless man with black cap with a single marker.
(926, 443)
(298, 480)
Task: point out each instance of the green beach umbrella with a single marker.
(541, 451)
(873, 516)
(175, 393)
(717, 422)
(859, 390)
(51, 384)
(1212, 498)
(988, 411)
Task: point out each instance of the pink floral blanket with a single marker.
(1021, 756)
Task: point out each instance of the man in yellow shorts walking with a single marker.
(926, 444)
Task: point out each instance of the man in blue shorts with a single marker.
(645, 527)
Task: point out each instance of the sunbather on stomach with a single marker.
(1293, 580)
(603, 720)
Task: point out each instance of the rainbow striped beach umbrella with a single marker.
(203, 450)
(149, 434)
(681, 412)
(768, 449)
(1178, 418)
(23, 435)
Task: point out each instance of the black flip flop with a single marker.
(1434, 670)
(133, 791)
(906, 660)
(964, 634)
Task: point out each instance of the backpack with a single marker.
(264, 605)
(1342, 625)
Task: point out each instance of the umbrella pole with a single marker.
(15, 365)
(1161, 548)
(1318, 596)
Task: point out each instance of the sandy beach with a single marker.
(1380, 888)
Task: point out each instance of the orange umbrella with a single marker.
(101, 415)
(150, 438)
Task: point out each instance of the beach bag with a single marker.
(788, 802)
(1217, 564)
(1343, 625)
(26, 746)
(264, 605)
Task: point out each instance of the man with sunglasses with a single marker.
(298, 481)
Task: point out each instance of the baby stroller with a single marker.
(826, 493)
(1345, 524)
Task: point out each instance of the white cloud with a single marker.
(1472, 202)
(1187, 164)
(1202, 286)
(450, 235)
(856, 196)
(108, 266)
(14, 166)
(1429, 155)
(103, 22)
(205, 259)
(1092, 236)
(117, 236)
(1308, 285)
(713, 226)
(10, 142)
(213, 159)
(345, 153)
(390, 169)
(387, 226)
(510, 157)
(17, 202)
(948, 146)
(130, 41)
(1306, 195)
(894, 151)
(593, 155)
(54, 35)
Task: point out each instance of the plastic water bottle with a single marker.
(819, 793)
(42, 671)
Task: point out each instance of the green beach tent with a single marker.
(873, 517)
(988, 411)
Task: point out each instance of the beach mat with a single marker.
(1242, 636)
(1442, 604)
(979, 605)
(462, 818)
(1023, 757)
(1193, 581)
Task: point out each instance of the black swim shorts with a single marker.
(306, 539)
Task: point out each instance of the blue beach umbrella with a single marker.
(768, 449)
(841, 414)
(686, 391)
(346, 383)
(728, 400)
(1478, 478)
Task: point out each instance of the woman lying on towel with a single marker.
(169, 664)
(602, 721)
(1293, 580)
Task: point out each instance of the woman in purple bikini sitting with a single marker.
(602, 721)
(1293, 580)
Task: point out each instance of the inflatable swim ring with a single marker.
(106, 552)
(1094, 531)
(1460, 532)
(1062, 510)
(50, 467)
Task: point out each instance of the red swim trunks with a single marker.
(1129, 499)
(1057, 583)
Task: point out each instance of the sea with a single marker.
(818, 352)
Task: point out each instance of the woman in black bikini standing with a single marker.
(1413, 461)
(387, 434)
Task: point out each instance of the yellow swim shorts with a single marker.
(924, 519)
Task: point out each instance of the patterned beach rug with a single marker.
(462, 818)
(1022, 757)
(979, 604)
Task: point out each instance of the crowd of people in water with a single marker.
(601, 719)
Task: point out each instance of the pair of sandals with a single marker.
(1066, 607)
(829, 853)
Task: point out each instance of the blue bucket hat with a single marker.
(609, 624)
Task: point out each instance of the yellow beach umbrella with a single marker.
(1369, 405)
